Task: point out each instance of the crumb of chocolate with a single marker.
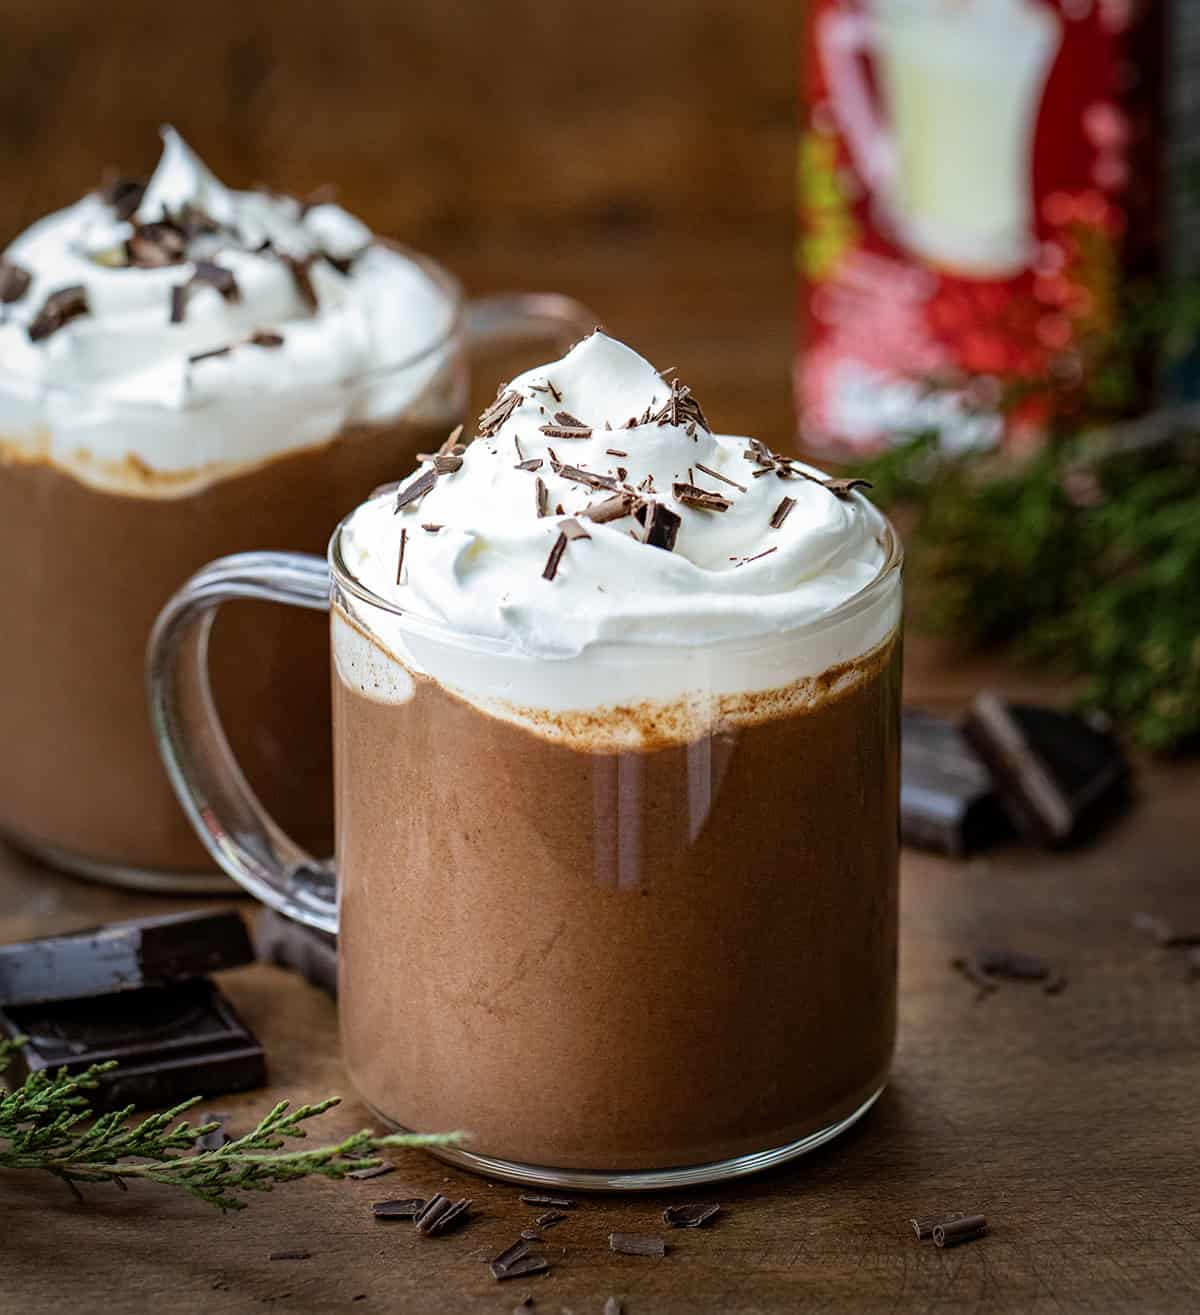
(530, 463)
(690, 1216)
(566, 431)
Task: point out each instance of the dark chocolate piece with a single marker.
(923, 1225)
(782, 512)
(297, 1254)
(170, 1042)
(447, 463)
(573, 530)
(531, 463)
(305, 950)
(946, 799)
(14, 281)
(266, 338)
(558, 1202)
(426, 1218)
(716, 474)
(407, 1208)
(1015, 967)
(179, 301)
(974, 974)
(636, 1244)
(681, 408)
(417, 489)
(400, 557)
(58, 310)
(124, 195)
(550, 1218)
(218, 1137)
(556, 555)
(299, 269)
(610, 509)
(1057, 777)
(218, 277)
(209, 355)
(376, 1171)
(660, 525)
(530, 1235)
(954, 1232)
(842, 487)
(154, 245)
(124, 956)
(507, 401)
(510, 1255)
(689, 1216)
(521, 1268)
(702, 499)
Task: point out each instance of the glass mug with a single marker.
(617, 961)
(81, 785)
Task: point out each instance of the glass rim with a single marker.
(14, 382)
(455, 636)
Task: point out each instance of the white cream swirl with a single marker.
(121, 382)
(750, 571)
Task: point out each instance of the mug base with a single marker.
(123, 875)
(652, 1180)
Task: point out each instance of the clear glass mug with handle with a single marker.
(87, 793)
(618, 961)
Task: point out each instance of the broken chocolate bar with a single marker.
(946, 799)
(1057, 776)
(124, 956)
(305, 950)
(170, 1042)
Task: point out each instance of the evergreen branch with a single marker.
(39, 1129)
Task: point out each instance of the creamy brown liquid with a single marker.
(83, 574)
(538, 951)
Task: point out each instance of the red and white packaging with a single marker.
(976, 178)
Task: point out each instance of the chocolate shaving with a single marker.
(123, 194)
(400, 562)
(615, 452)
(451, 445)
(447, 463)
(266, 338)
(495, 415)
(438, 1213)
(570, 421)
(376, 1172)
(842, 487)
(299, 267)
(680, 408)
(636, 1244)
(689, 1216)
(954, 1232)
(59, 309)
(154, 245)
(179, 301)
(765, 553)
(556, 554)
(610, 509)
(522, 1268)
(573, 530)
(431, 527)
(660, 525)
(510, 1255)
(577, 475)
(923, 1225)
(702, 499)
(530, 1235)
(538, 1198)
(417, 489)
(550, 1218)
(716, 474)
(450, 1220)
(210, 354)
(531, 463)
(541, 496)
(407, 1208)
(218, 277)
(782, 512)
(14, 282)
(566, 431)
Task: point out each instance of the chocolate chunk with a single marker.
(954, 1232)
(660, 525)
(611, 509)
(218, 277)
(558, 1202)
(447, 463)
(376, 1171)
(179, 301)
(407, 1208)
(702, 499)
(946, 799)
(614, 451)
(689, 1216)
(521, 1268)
(297, 1254)
(266, 338)
(14, 281)
(300, 270)
(923, 1226)
(58, 310)
(124, 956)
(154, 245)
(124, 195)
(1057, 777)
(171, 1042)
(570, 421)
(510, 1255)
(416, 489)
(426, 1218)
(448, 1220)
(782, 512)
(636, 1244)
(556, 555)
(577, 475)
(550, 1218)
(531, 463)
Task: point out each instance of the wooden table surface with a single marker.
(1072, 1121)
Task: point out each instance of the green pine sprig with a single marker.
(48, 1124)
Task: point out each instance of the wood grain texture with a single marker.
(638, 157)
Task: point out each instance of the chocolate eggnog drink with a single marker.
(188, 371)
(616, 724)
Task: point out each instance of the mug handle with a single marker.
(843, 39)
(220, 803)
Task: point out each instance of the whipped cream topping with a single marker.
(761, 547)
(207, 327)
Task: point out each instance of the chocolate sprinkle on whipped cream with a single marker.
(667, 561)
